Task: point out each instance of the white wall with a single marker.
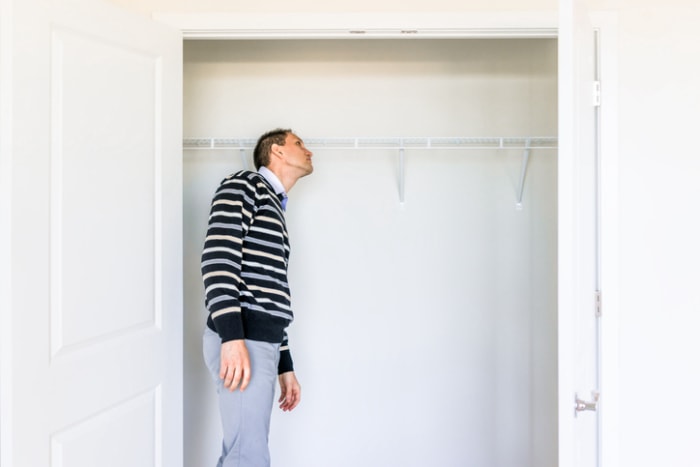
(425, 333)
(282, 6)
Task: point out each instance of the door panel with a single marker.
(83, 68)
(96, 266)
(578, 233)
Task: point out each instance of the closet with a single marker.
(424, 245)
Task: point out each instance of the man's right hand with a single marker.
(235, 364)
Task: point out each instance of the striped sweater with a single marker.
(244, 264)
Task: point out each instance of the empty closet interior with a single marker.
(424, 247)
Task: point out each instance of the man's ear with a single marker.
(276, 150)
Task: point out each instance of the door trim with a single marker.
(607, 25)
(526, 24)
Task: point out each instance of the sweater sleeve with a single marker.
(285, 364)
(229, 220)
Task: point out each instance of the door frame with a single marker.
(6, 79)
(502, 25)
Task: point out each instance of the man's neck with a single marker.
(285, 177)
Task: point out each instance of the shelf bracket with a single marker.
(523, 171)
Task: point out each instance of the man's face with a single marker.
(296, 155)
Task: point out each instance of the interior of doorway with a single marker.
(330, 373)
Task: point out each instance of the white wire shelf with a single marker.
(516, 142)
(524, 143)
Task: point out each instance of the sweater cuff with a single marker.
(229, 327)
(285, 364)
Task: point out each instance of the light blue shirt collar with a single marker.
(272, 179)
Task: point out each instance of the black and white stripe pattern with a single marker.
(244, 264)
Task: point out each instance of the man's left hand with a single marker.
(290, 391)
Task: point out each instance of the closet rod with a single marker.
(502, 142)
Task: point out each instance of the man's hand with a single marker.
(290, 391)
(235, 364)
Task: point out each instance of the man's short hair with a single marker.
(261, 154)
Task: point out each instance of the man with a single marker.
(244, 269)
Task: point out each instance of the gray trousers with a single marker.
(245, 416)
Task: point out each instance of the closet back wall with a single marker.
(425, 332)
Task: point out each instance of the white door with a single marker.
(92, 368)
(578, 232)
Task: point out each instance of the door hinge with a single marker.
(581, 405)
(598, 304)
(596, 93)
